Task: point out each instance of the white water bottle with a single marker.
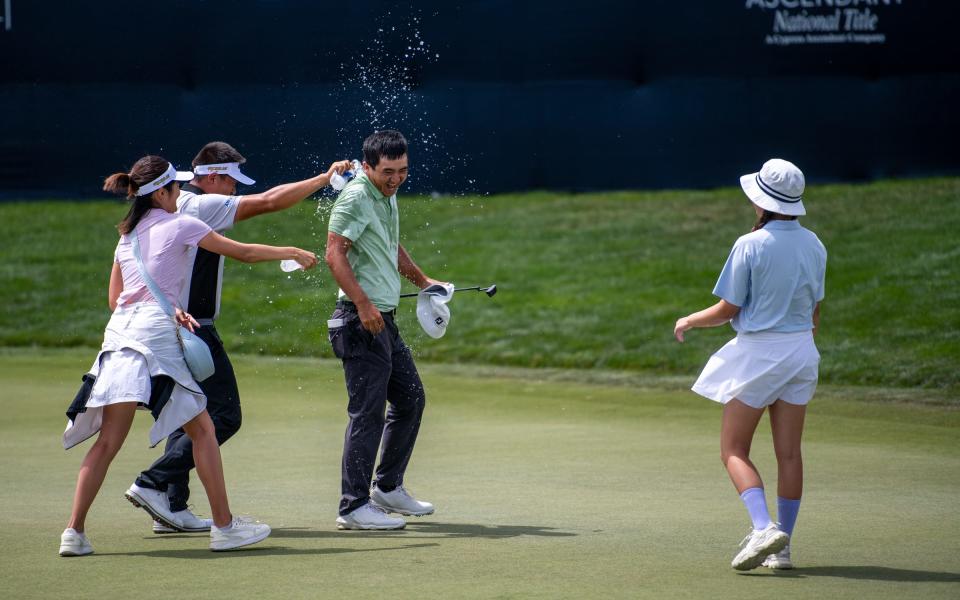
(338, 181)
(289, 266)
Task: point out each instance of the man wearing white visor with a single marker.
(212, 197)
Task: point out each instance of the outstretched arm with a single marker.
(251, 253)
(285, 195)
(718, 314)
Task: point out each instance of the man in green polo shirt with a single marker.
(366, 259)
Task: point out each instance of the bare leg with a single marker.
(206, 456)
(736, 434)
(116, 424)
(786, 420)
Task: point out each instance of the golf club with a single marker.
(489, 290)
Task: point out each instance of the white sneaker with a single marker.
(780, 560)
(369, 516)
(73, 543)
(160, 528)
(187, 522)
(400, 501)
(757, 545)
(242, 532)
(154, 502)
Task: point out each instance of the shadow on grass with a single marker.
(868, 573)
(255, 551)
(429, 530)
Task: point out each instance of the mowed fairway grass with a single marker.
(548, 484)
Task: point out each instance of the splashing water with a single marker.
(378, 90)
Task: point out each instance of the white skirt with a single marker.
(760, 368)
(140, 342)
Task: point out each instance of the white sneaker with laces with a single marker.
(757, 545)
(74, 543)
(780, 560)
(241, 532)
(154, 502)
(186, 522)
(401, 501)
(369, 516)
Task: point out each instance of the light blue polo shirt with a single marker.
(370, 220)
(776, 277)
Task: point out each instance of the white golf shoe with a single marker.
(160, 528)
(241, 532)
(154, 502)
(369, 516)
(780, 560)
(400, 501)
(74, 543)
(757, 545)
(186, 522)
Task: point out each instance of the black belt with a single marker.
(351, 307)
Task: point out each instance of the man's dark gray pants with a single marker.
(171, 472)
(378, 369)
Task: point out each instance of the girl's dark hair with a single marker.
(766, 217)
(143, 172)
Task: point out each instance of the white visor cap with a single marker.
(231, 169)
(777, 187)
(432, 310)
(171, 174)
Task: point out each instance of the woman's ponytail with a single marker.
(143, 172)
(119, 183)
(764, 218)
(768, 216)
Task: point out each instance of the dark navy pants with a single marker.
(378, 370)
(171, 472)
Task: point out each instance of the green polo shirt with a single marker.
(370, 220)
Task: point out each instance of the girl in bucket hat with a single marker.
(770, 291)
(141, 363)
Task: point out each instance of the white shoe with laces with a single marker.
(400, 501)
(241, 532)
(758, 545)
(154, 502)
(369, 516)
(186, 522)
(74, 543)
(780, 560)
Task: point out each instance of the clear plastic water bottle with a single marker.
(289, 266)
(338, 181)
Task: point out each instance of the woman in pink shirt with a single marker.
(141, 364)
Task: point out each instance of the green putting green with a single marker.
(547, 484)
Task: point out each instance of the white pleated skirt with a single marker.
(760, 368)
(140, 342)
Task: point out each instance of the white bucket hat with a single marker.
(232, 169)
(432, 310)
(171, 174)
(778, 187)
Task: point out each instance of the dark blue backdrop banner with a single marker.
(494, 96)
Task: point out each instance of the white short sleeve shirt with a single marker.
(201, 293)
